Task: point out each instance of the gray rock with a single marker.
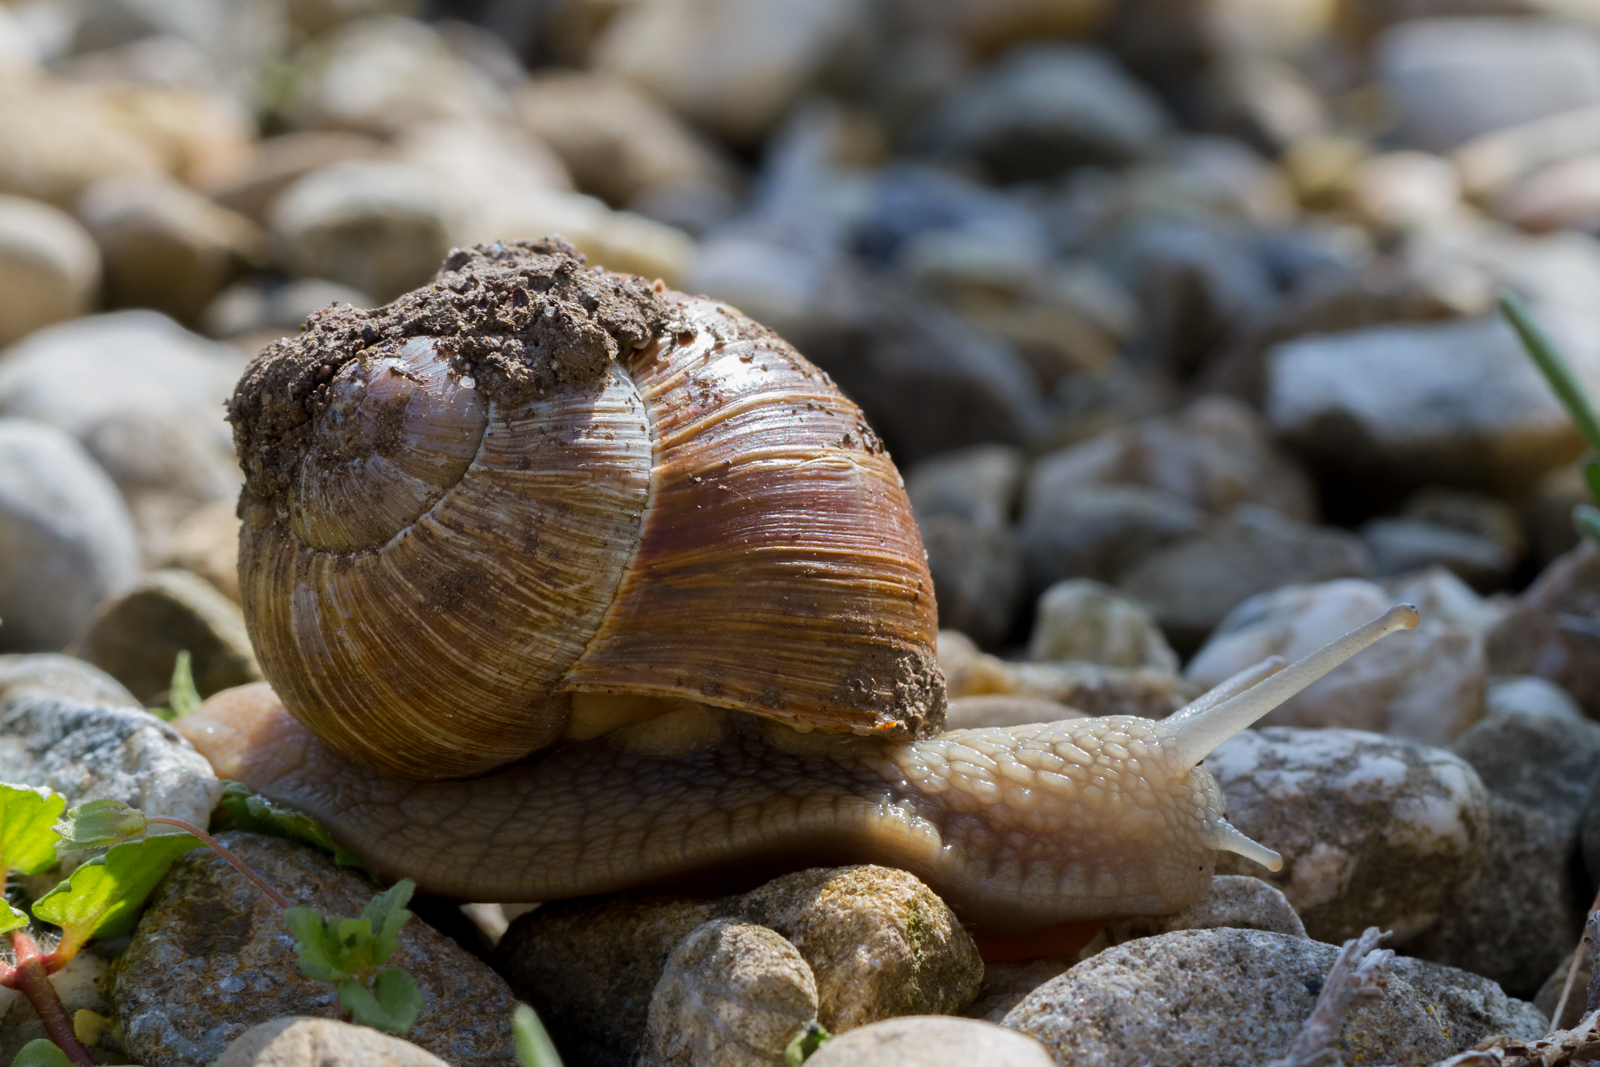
(1044, 108)
(1475, 513)
(590, 966)
(1214, 454)
(1081, 619)
(977, 576)
(49, 267)
(376, 226)
(1453, 79)
(732, 993)
(1549, 995)
(1518, 913)
(1400, 545)
(256, 308)
(1374, 831)
(136, 637)
(1099, 532)
(979, 484)
(1199, 284)
(1533, 749)
(1234, 901)
(1553, 628)
(212, 957)
(1413, 404)
(1438, 594)
(1089, 688)
(1204, 997)
(206, 543)
(145, 397)
(65, 676)
(303, 1039)
(1000, 709)
(277, 162)
(66, 540)
(164, 245)
(1424, 684)
(92, 752)
(931, 1041)
(1190, 586)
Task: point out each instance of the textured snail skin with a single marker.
(441, 559)
(1018, 828)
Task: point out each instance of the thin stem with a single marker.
(1556, 371)
(222, 850)
(35, 985)
(1572, 971)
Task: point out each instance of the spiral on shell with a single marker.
(535, 501)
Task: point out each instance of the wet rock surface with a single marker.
(1209, 996)
(212, 957)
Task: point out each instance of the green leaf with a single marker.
(333, 950)
(805, 1043)
(40, 1052)
(100, 823)
(321, 954)
(11, 918)
(103, 896)
(183, 696)
(258, 815)
(27, 834)
(1555, 369)
(391, 1003)
(1590, 466)
(534, 1047)
(386, 913)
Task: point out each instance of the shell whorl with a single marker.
(531, 483)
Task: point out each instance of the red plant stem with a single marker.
(35, 985)
(222, 850)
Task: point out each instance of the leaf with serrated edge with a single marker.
(386, 913)
(27, 830)
(100, 823)
(391, 1003)
(102, 897)
(40, 1052)
(321, 955)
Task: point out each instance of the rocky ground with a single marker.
(1177, 317)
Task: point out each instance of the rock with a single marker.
(589, 966)
(66, 540)
(1240, 996)
(1424, 684)
(202, 137)
(995, 709)
(1494, 163)
(93, 752)
(1534, 748)
(1549, 996)
(931, 1041)
(1560, 196)
(617, 143)
(1085, 620)
(1214, 454)
(136, 637)
(212, 957)
(732, 67)
(1398, 191)
(1453, 79)
(1099, 532)
(302, 1039)
(1043, 108)
(1548, 512)
(1438, 594)
(1399, 546)
(478, 166)
(1233, 901)
(256, 308)
(1373, 830)
(1518, 912)
(278, 162)
(145, 397)
(57, 139)
(990, 25)
(977, 484)
(1090, 688)
(207, 543)
(1411, 404)
(1474, 513)
(1200, 284)
(732, 993)
(1552, 629)
(166, 246)
(49, 267)
(1191, 585)
(977, 576)
(376, 226)
(380, 75)
(65, 676)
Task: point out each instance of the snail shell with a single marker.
(535, 502)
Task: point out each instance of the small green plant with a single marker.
(534, 1047)
(182, 696)
(1586, 517)
(101, 898)
(805, 1044)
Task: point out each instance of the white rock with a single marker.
(49, 267)
(1085, 620)
(66, 540)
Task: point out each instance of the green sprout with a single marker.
(1554, 367)
(532, 1040)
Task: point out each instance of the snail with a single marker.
(564, 583)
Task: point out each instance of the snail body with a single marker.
(652, 604)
